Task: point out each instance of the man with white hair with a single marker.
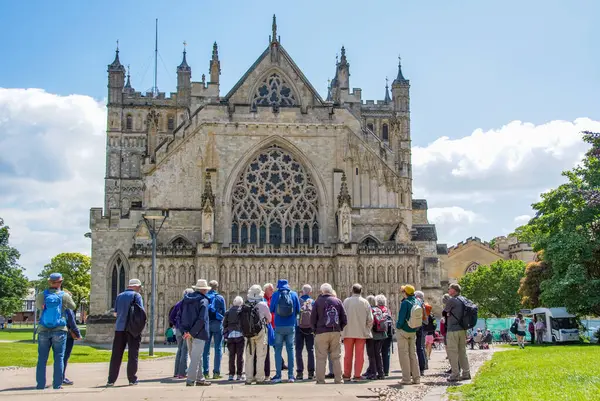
(420, 341)
(216, 311)
(304, 335)
(328, 319)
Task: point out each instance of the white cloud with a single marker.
(51, 171)
(522, 219)
(495, 174)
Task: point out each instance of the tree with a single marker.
(494, 288)
(526, 233)
(14, 284)
(536, 272)
(567, 223)
(75, 269)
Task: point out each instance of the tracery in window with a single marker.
(117, 280)
(274, 201)
(472, 267)
(274, 91)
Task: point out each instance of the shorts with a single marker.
(521, 333)
(429, 339)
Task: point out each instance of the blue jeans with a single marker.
(284, 335)
(215, 333)
(68, 349)
(181, 356)
(56, 339)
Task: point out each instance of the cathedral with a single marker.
(268, 180)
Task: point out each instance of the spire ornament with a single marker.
(208, 211)
(344, 196)
(208, 198)
(116, 65)
(344, 218)
(274, 28)
(400, 78)
(387, 99)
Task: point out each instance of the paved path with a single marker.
(156, 383)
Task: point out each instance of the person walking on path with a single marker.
(52, 330)
(195, 326)
(420, 334)
(216, 311)
(73, 335)
(328, 319)
(304, 335)
(182, 350)
(356, 332)
(286, 306)
(521, 330)
(124, 338)
(406, 336)
(256, 308)
(456, 336)
(232, 332)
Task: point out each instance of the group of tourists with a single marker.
(277, 317)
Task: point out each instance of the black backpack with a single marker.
(250, 321)
(233, 319)
(469, 317)
(431, 324)
(136, 319)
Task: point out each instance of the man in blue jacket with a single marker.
(194, 324)
(286, 307)
(216, 311)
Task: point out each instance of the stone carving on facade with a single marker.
(208, 212)
(344, 213)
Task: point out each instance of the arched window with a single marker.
(129, 122)
(472, 267)
(171, 124)
(274, 200)
(274, 91)
(117, 280)
(384, 133)
(369, 241)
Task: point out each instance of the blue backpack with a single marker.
(52, 315)
(285, 306)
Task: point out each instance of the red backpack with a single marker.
(381, 319)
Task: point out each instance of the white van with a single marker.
(561, 326)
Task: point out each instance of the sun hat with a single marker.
(134, 282)
(255, 293)
(201, 285)
(55, 277)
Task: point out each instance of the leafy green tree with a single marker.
(567, 224)
(75, 269)
(13, 283)
(527, 233)
(494, 288)
(536, 272)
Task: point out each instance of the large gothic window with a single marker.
(117, 280)
(274, 91)
(275, 202)
(472, 267)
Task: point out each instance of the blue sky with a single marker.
(474, 66)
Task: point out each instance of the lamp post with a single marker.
(154, 224)
(35, 314)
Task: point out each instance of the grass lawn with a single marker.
(23, 354)
(537, 373)
(23, 333)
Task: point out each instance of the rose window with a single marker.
(275, 202)
(274, 91)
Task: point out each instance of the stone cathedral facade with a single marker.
(268, 180)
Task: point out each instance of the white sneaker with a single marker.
(243, 376)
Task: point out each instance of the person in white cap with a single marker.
(254, 317)
(194, 324)
(124, 338)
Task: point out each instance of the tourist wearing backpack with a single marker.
(420, 339)
(195, 326)
(52, 330)
(328, 319)
(123, 338)
(216, 311)
(304, 335)
(380, 329)
(232, 332)
(181, 357)
(387, 348)
(286, 306)
(410, 318)
(254, 317)
(456, 335)
(360, 323)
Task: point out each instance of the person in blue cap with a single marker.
(52, 330)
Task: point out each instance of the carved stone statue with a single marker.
(208, 214)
